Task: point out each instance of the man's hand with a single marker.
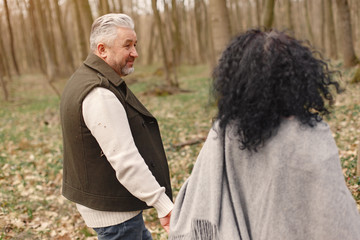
(165, 222)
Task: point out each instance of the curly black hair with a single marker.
(264, 76)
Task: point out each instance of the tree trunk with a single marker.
(176, 39)
(249, 22)
(3, 71)
(221, 32)
(49, 29)
(150, 56)
(308, 22)
(3, 58)
(322, 28)
(354, 8)
(86, 20)
(121, 6)
(189, 50)
(258, 12)
(210, 52)
(356, 79)
(28, 63)
(4, 88)
(345, 31)
(331, 30)
(176, 33)
(268, 19)
(104, 7)
(39, 55)
(136, 18)
(81, 39)
(290, 22)
(48, 50)
(66, 50)
(50, 66)
(113, 8)
(239, 17)
(199, 29)
(12, 49)
(166, 62)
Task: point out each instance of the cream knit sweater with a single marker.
(118, 145)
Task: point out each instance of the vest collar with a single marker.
(96, 63)
(100, 66)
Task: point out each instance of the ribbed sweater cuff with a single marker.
(163, 206)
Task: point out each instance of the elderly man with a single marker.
(114, 161)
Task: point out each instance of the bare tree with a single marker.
(152, 43)
(39, 55)
(249, 19)
(3, 58)
(4, 88)
(331, 29)
(3, 70)
(3, 82)
(103, 7)
(356, 79)
(308, 21)
(345, 34)
(199, 25)
(45, 43)
(173, 32)
(86, 19)
(169, 81)
(209, 43)
(322, 28)
(24, 32)
(234, 15)
(220, 24)
(289, 14)
(187, 34)
(268, 18)
(12, 49)
(176, 33)
(81, 35)
(136, 18)
(66, 49)
(49, 29)
(121, 6)
(258, 11)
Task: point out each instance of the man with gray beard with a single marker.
(114, 161)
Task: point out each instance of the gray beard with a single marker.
(126, 71)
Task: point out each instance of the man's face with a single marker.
(121, 55)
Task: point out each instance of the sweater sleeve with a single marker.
(106, 118)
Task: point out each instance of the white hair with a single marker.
(104, 28)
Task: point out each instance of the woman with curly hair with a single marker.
(269, 168)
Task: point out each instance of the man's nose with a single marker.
(134, 53)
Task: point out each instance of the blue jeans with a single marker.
(132, 229)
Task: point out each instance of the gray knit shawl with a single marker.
(292, 188)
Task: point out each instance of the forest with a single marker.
(43, 42)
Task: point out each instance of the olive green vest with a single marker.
(88, 177)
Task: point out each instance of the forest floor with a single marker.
(31, 205)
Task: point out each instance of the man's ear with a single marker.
(102, 50)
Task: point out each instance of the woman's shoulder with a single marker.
(306, 145)
(295, 129)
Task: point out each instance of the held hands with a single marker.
(165, 222)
